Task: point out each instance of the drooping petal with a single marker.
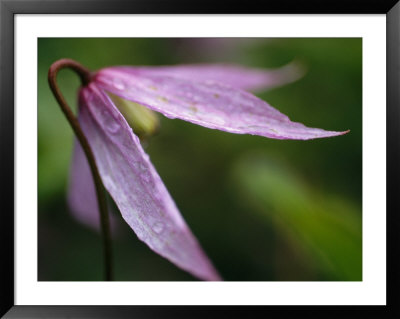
(234, 75)
(82, 198)
(135, 186)
(209, 103)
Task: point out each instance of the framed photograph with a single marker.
(158, 156)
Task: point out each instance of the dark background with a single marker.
(262, 209)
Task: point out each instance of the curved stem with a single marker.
(85, 77)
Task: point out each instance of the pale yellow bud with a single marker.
(141, 119)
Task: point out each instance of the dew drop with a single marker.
(145, 177)
(218, 120)
(110, 123)
(158, 227)
(113, 127)
(119, 84)
(170, 116)
(127, 142)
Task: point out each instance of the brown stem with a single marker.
(85, 77)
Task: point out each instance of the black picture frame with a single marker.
(8, 10)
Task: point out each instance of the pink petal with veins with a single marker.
(210, 104)
(234, 75)
(135, 186)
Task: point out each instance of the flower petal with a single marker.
(234, 75)
(209, 103)
(135, 186)
(82, 198)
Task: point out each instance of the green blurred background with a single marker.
(263, 209)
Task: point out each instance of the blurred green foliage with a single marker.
(262, 209)
(324, 226)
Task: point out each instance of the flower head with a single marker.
(208, 95)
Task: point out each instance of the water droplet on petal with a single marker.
(127, 142)
(142, 167)
(119, 84)
(158, 227)
(113, 127)
(145, 177)
(110, 123)
(218, 120)
(170, 116)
